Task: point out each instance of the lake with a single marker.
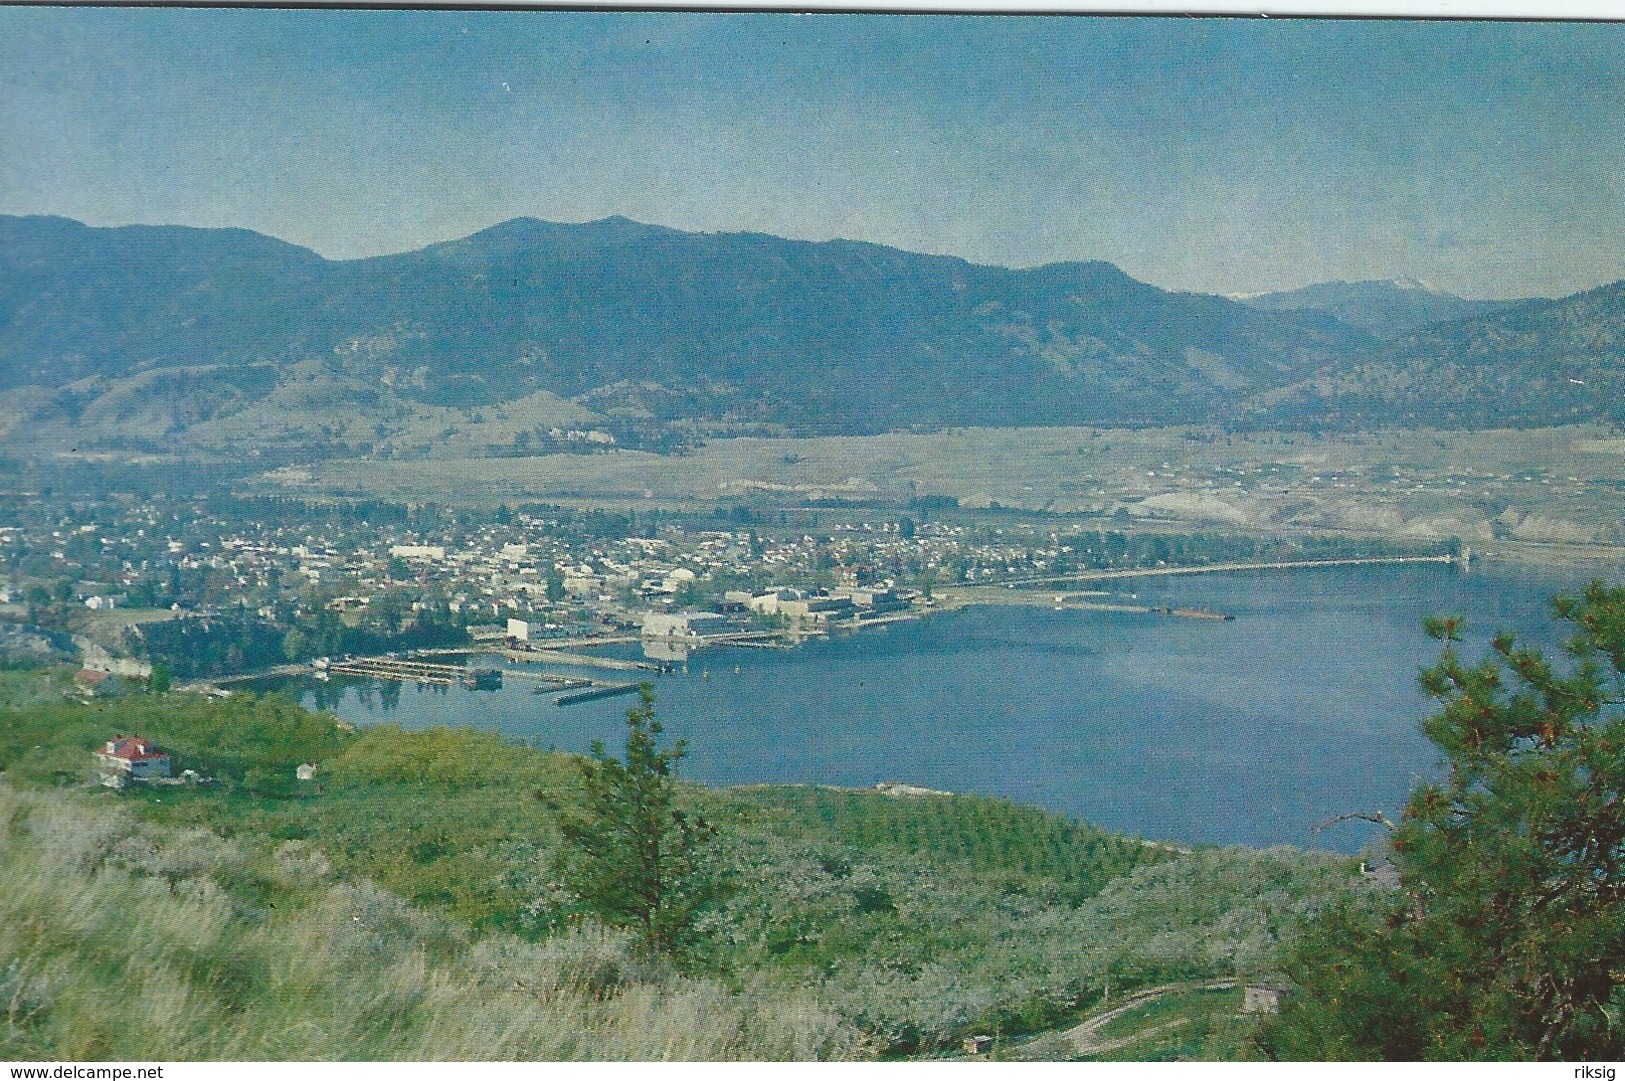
(1245, 732)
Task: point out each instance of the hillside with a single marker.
(536, 337)
(165, 329)
(1384, 309)
(402, 906)
(1539, 362)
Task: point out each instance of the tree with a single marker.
(295, 644)
(1507, 936)
(632, 853)
(389, 611)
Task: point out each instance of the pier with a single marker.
(596, 693)
(783, 639)
(548, 680)
(579, 660)
(412, 671)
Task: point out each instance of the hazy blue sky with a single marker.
(1216, 155)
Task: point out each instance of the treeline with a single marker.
(1109, 548)
(1120, 550)
(219, 645)
(315, 513)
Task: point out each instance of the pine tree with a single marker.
(1507, 937)
(633, 854)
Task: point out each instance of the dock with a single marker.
(1227, 568)
(596, 693)
(579, 660)
(555, 688)
(556, 681)
(410, 671)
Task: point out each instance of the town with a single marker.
(225, 587)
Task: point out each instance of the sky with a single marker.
(1213, 155)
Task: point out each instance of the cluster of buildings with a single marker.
(553, 574)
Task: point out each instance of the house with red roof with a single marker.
(97, 683)
(130, 760)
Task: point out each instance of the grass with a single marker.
(124, 941)
(32, 687)
(847, 924)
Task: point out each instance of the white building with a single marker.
(682, 624)
(418, 551)
(769, 603)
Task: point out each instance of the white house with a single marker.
(130, 759)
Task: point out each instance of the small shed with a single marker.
(978, 1045)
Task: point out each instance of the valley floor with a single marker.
(1506, 490)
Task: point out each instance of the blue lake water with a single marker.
(1245, 732)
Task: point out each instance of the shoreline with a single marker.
(1021, 593)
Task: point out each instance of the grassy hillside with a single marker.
(124, 940)
(405, 905)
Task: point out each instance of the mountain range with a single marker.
(519, 335)
(1384, 309)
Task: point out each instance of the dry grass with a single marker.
(119, 940)
(1550, 484)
